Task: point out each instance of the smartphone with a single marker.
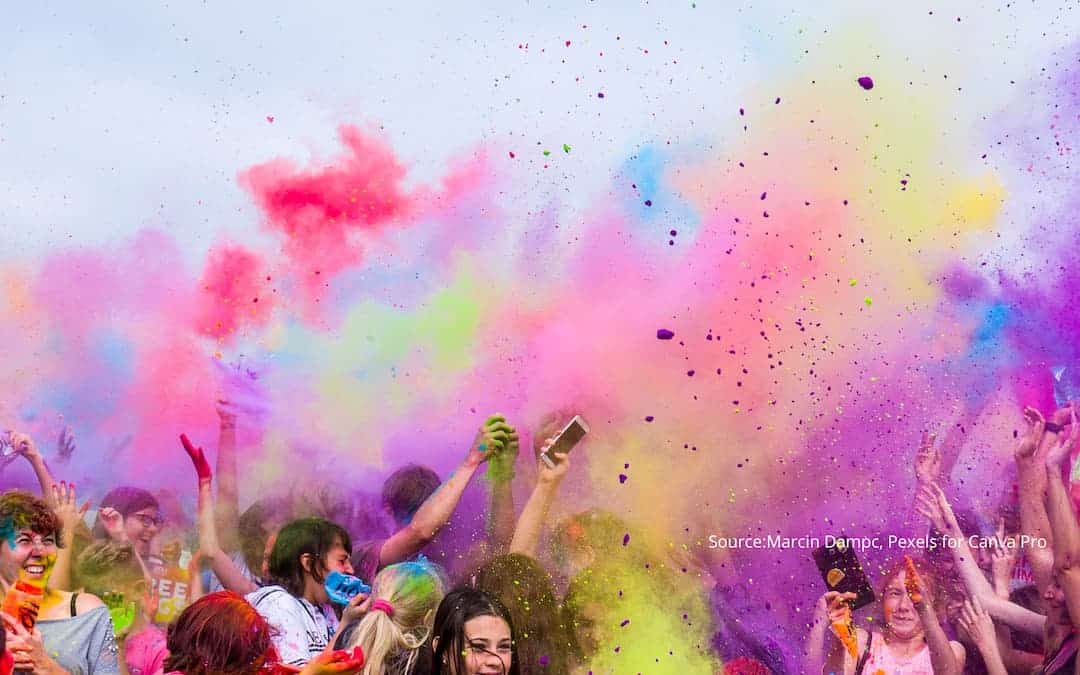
(842, 572)
(565, 441)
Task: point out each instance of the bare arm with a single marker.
(436, 510)
(527, 533)
(935, 505)
(227, 506)
(1031, 475)
(1063, 522)
(927, 471)
(222, 565)
(943, 658)
(24, 445)
(71, 517)
(500, 476)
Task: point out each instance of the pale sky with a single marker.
(118, 115)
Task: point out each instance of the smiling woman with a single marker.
(73, 631)
(129, 514)
(473, 635)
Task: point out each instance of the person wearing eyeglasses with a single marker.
(129, 514)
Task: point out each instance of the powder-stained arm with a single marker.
(1031, 476)
(943, 657)
(71, 517)
(227, 504)
(527, 533)
(436, 510)
(25, 446)
(933, 503)
(1063, 521)
(223, 566)
(500, 478)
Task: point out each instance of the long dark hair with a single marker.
(459, 607)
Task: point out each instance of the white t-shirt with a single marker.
(303, 629)
(213, 584)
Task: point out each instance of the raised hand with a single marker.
(226, 412)
(501, 464)
(1060, 450)
(975, 621)
(122, 612)
(23, 444)
(492, 438)
(1029, 442)
(1003, 557)
(113, 523)
(67, 508)
(555, 469)
(932, 503)
(65, 444)
(927, 460)
(198, 459)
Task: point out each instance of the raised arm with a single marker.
(500, 478)
(227, 504)
(1031, 476)
(933, 503)
(24, 445)
(222, 565)
(980, 628)
(529, 525)
(944, 659)
(1063, 523)
(71, 517)
(436, 510)
(927, 471)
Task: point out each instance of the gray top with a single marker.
(83, 644)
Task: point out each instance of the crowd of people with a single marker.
(288, 586)
(283, 587)
(977, 601)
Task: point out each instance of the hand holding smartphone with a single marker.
(842, 572)
(565, 440)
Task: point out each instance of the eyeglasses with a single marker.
(149, 521)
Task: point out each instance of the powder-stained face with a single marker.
(901, 619)
(32, 557)
(487, 646)
(141, 527)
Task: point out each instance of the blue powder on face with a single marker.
(8, 532)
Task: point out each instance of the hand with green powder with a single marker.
(491, 440)
(123, 613)
(500, 467)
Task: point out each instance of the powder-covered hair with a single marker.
(526, 589)
(219, 634)
(395, 644)
(106, 566)
(20, 510)
(405, 490)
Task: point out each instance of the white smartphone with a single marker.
(570, 436)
